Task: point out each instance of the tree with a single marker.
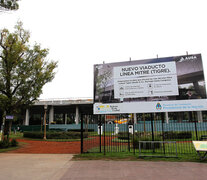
(7, 5)
(101, 81)
(24, 70)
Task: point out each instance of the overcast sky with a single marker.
(81, 33)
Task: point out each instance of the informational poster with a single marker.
(168, 84)
(200, 145)
(158, 79)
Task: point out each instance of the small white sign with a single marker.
(9, 117)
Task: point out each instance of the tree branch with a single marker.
(3, 92)
(1, 57)
(15, 89)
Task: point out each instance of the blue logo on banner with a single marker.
(158, 106)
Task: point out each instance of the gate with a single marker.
(150, 135)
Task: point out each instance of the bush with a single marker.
(177, 135)
(33, 134)
(148, 145)
(14, 143)
(79, 130)
(55, 135)
(5, 143)
(123, 135)
(58, 129)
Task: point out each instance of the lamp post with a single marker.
(45, 108)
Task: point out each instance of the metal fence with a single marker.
(152, 136)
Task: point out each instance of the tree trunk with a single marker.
(3, 125)
(10, 126)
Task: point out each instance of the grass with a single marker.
(8, 149)
(185, 153)
(131, 157)
(18, 135)
(2, 150)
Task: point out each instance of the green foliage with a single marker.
(9, 4)
(23, 70)
(147, 145)
(54, 135)
(33, 134)
(123, 135)
(177, 135)
(6, 143)
(14, 143)
(79, 130)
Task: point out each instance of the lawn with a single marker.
(8, 149)
(128, 156)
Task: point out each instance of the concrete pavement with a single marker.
(135, 170)
(60, 167)
(34, 166)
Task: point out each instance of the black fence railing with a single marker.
(145, 137)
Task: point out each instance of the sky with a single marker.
(82, 33)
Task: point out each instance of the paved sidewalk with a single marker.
(60, 167)
(135, 170)
(34, 166)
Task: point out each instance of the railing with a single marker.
(120, 138)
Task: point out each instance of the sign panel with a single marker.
(200, 145)
(154, 85)
(158, 79)
(9, 117)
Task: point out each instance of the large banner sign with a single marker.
(159, 79)
(154, 85)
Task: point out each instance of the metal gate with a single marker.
(150, 135)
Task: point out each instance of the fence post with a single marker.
(81, 133)
(163, 137)
(133, 137)
(100, 124)
(128, 138)
(151, 117)
(104, 135)
(195, 125)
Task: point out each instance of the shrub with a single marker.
(147, 145)
(55, 135)
(123, 135)
(177, 135)
(33, 134)
(5, 143)
(14, 143)
(58, 129)
(79, 130)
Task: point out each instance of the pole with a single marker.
(163, 137)
(100, 124)
(81, 133)
(128, 139)
(45, 107)
(135, 118)
(144, 124)
(104, 135)
(151, 115)
(196, 130)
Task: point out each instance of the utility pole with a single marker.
(45, 108)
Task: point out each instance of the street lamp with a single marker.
(45, 108)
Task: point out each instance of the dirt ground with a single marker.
(47, 147)
(50, 147)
